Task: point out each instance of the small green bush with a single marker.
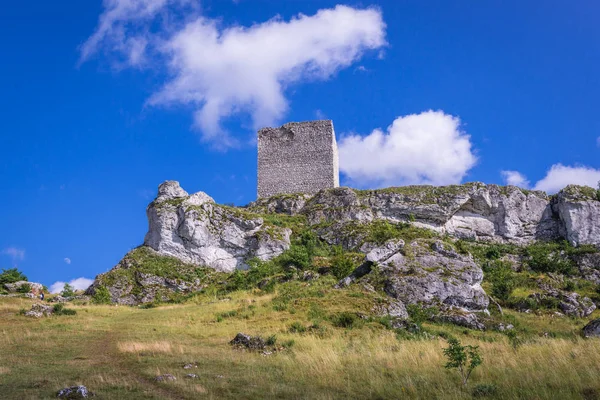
(68, 291)
(419, 314)
(552, 257)
(484, 390)
(462, 358)
(345, 320)
(11, 275)
(59, 309)
(101, 295)
(502, 278)
(297, 327)
(25, 288)
(271, 340)
(342, 265)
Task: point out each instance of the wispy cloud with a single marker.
(15, 253)
(226, 71)
(77, 284)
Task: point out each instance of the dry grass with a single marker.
(139, 347)
(117, 351)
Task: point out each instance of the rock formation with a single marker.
(421, 265)
(474, 211)
(195, 230)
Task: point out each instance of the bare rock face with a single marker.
(579, 211)
(14, 287)
(428, 275)
(474, 211)
(39, 310)
(195, 230)
(592, 329)
(290, 204)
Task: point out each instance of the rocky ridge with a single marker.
(475, 211)
(407, 236)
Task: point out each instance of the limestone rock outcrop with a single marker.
(579, 211)
(428, 275)
(196, 230)
(592, 329)
(474, 211)
(32, 286)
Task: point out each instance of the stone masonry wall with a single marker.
(298, 157)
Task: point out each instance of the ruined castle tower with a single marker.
(298, 157)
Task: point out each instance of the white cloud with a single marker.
(67, 260)
(425, 148)
(78, 284)
(560, 176)
(515, 178)
(15, 253)
(221, 72)
(119, 19)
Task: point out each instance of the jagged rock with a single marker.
(579, 211)
(192, 376)
(394, 308)
(39, 310)
(60, 299)
(572, 304)
(468, 320)
(165, 378)
(475, 210)
(133, 281)
(502, 327)
(432, 275)
(74, 392)
(190, 366)
(290, 204)
(427, 274)
(195, 230)
(589, 266)
(249, 342)
(14, 287)
(592, 329)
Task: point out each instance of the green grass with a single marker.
(334, 348)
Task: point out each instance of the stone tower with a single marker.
(298, 157)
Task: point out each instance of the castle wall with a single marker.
(298, 157)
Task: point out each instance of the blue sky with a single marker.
(103, 101)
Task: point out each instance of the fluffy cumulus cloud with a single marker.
(425, 148)
(515, 178)
(15, 253)
(224, 71)
(560, 176)
(77, 284)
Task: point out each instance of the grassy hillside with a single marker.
(332, 347)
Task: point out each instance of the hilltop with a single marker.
(354, 291)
